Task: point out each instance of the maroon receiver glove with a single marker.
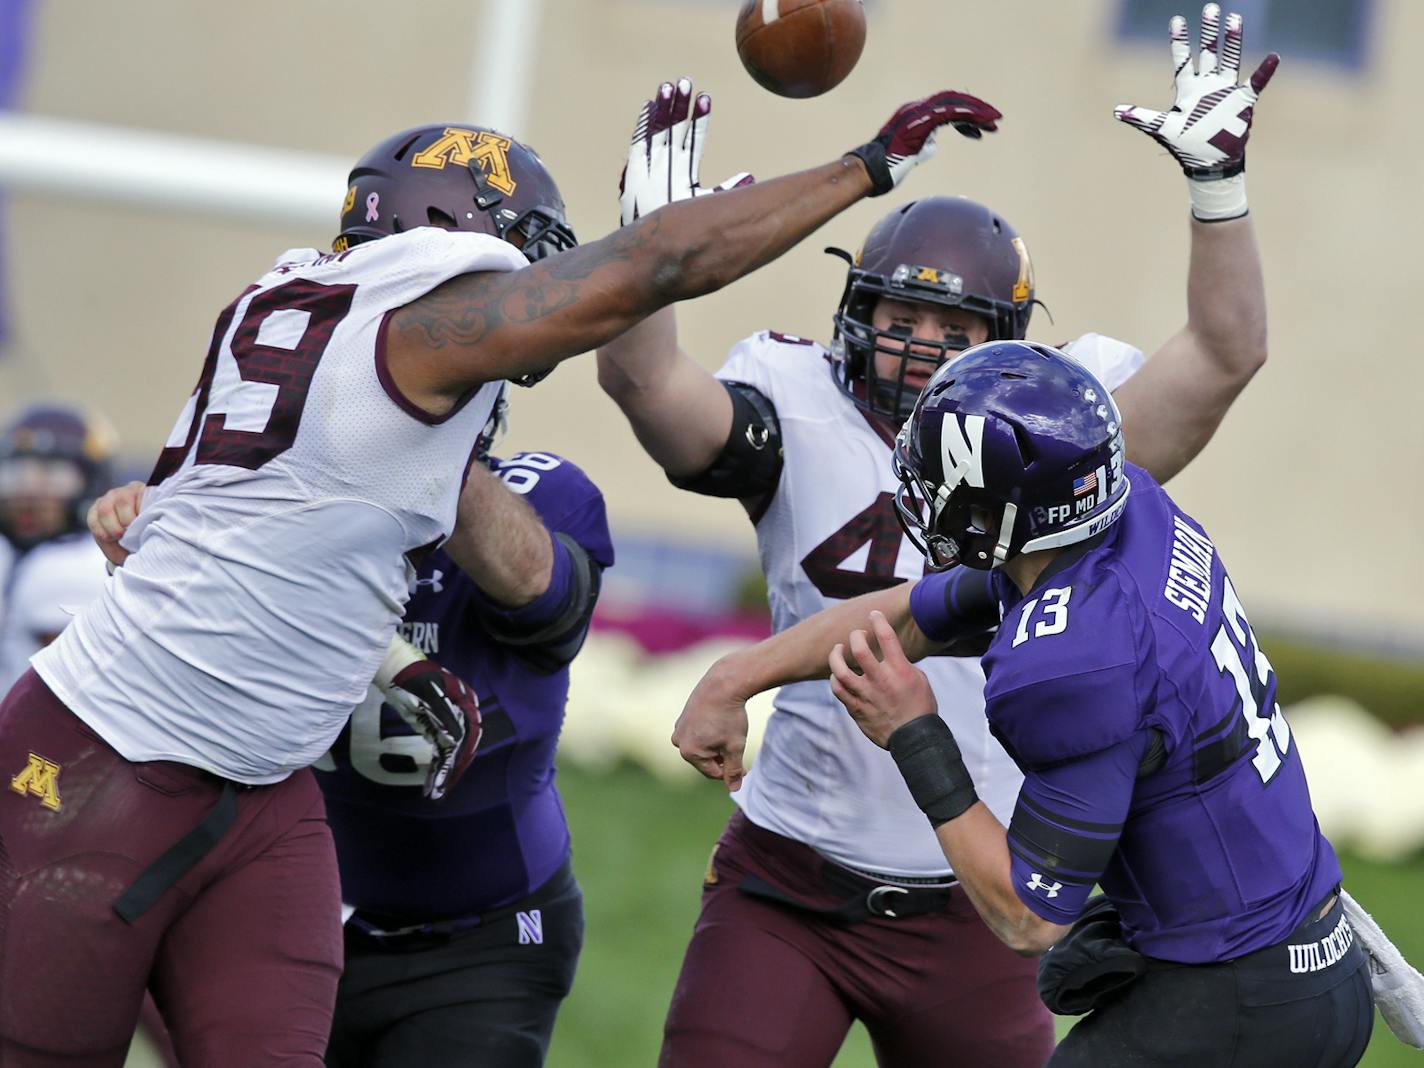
(442, 708)
(909, 137)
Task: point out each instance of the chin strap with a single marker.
(1006, 533)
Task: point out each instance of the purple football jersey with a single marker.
(1133, 646)
(501, 833)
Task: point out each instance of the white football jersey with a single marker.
(269, 564)
(829, 533)
(47, 588)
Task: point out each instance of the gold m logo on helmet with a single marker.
(40, 777)
(489, 150)
(1023, 286)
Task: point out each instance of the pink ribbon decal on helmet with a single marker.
(371, 201)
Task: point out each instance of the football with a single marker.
(800, 48)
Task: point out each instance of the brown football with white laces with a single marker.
(800, 48)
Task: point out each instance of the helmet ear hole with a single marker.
(436, 217)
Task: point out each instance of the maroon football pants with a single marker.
(242, 953)
(769, 985)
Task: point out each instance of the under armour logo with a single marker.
(1037, 883)
(531, 927)
(436, 586)
(758, 436)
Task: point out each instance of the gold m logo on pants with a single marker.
(39, 778)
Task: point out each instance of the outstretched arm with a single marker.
(483, 327)
(711, 733)
(1172, 407)
(679, 411)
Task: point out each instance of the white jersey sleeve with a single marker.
(753, 360)
(272, 556)
(1112, 362)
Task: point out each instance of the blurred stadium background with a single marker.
(157, 155)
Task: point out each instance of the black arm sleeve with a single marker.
(548, 641)
(749, 464)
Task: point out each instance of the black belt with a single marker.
(402, 933)
(143, 893)
(861, 898)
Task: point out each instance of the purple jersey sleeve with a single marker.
(565, 498)
(1066, 825)
(569, 504)
(950, 605)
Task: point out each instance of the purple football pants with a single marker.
(768, 985)
(242, 953)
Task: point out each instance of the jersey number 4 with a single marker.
(874, 530)
(248, 404)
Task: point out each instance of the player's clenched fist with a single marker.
(111, 515)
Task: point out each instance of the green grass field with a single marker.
(640, 848)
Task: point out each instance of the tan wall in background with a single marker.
(1312, 486)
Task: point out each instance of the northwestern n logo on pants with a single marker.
(531, 927)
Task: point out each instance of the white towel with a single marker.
(1399, 988)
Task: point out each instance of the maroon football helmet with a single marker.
(941, 250)
(456, 177)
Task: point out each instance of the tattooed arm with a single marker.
(481, 327)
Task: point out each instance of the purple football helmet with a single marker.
(1012, 448)
(51, 454)
(942, 250)
(458, 178)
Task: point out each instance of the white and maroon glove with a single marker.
(909, 137)
(666, 153)
(437, 705)
(1208, 126)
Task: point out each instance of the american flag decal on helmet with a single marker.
(1087, 484)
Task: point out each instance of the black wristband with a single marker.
(872, 154)
(1221, 170)
(928, 757)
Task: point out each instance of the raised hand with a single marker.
(908, 138)
(1208, 125)
(666, 152)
